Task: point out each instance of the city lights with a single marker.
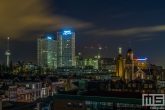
(49, 37)
(82, 55)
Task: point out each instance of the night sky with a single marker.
(110, 23)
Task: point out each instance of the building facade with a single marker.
(129, 65)
(47, 52)
(120, 64)
(66, 48)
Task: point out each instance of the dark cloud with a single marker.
(19, 18)
(134, 32)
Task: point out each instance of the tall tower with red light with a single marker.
(7, 53)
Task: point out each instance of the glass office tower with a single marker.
(66, 48)
(47, 52)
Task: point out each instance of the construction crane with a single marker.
(98, 47)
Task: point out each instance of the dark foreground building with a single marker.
(91, 100)
(99, 100)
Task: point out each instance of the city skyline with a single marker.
(113, 24)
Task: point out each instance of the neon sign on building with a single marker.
(67, 33)
(141, 59)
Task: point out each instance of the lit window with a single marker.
(27, 85)
(33, 86)
(69, 104)
(87, 102)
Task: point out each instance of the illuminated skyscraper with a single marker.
(66, 48)
(47, 52)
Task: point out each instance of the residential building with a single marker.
(53, 83)
(34, 83)
(24, 94)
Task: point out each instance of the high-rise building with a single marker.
(66, 48)
(47, 52)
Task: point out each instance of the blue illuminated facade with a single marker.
(66, 33)
(66, 48)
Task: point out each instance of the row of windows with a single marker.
(74, 104)
(34, 86)
(104, 105)
(148, 86)
(145, 85)
(133, 85)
